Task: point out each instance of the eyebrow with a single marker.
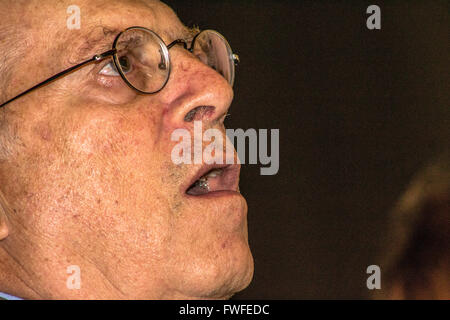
(190, 33)
(101, 38)
(98, 40)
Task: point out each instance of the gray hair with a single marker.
(13, 45)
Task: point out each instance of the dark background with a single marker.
(359, 112)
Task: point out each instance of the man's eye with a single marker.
(111, 70)
(125, 64)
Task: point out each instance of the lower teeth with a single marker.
(201, 186)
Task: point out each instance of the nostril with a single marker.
(199, 113)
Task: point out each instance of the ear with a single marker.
(3, 217)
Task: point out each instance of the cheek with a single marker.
(123, 136)
(103, 139)
(44, 132)
(118, 156)
(115, 167)
(114, 164)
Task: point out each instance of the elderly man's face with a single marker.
(93, 184)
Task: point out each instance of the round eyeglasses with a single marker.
(142, 59)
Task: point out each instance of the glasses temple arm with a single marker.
(67, 71)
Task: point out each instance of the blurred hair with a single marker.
(416, 251)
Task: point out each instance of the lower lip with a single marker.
(226, 208)
(215, 194)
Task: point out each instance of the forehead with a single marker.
(101, 21)
(107, 18)
(121, 14)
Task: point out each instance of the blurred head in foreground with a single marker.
(416, 252)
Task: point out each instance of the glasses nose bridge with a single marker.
(182, 42)
(179, 41)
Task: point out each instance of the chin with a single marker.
(219, 278)
(236, 281)
(210, 256)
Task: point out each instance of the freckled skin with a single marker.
(92, 182)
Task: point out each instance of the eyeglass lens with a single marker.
(142, 57)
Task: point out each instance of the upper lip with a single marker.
(230, 176)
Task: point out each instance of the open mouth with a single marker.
(214, 179)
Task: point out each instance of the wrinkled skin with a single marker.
(91, 182)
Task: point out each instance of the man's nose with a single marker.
(195, 91)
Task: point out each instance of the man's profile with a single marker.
(86, 176)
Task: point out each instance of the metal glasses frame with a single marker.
(113, 53)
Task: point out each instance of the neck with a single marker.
(14, 278)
